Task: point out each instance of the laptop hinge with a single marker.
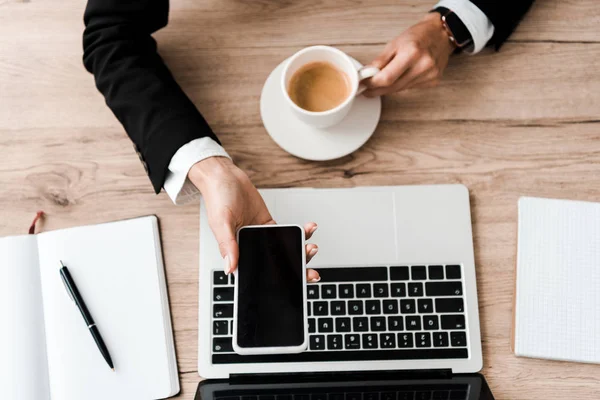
(341, 376)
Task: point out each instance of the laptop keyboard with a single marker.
(392, 392)
(365, 313)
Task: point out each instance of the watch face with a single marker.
(459, 30)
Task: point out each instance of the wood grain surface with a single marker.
(524, 121)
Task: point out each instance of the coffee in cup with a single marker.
(319, 86)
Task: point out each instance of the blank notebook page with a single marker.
(557, 314)
(118, 269)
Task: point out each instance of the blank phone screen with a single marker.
(270, 287)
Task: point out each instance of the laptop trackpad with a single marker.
(354, 229)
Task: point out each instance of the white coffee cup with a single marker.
(339, 59)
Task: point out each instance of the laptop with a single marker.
(397, 296)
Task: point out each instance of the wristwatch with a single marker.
(458, 33)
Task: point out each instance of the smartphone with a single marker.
(269, 312)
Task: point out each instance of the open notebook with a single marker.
(557, 297)
(46, 351)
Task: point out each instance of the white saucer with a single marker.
(310, 143)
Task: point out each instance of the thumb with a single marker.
(225, 234)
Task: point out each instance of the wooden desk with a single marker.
(525, 121)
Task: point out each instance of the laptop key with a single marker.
(378, 324)
(346, 291)
(360, 324)
(449, 305)
(423, 395)
(220, 328)
(219, 278)
(312, 325)
(336, 396)
(430, 322)
(325, 325)
(443, 289)
(395, 323)
(440, 395)
(223, 294)
(399, 273)
(390, 306)
(334, 342)
(353, 396)
(413, 323)
(312, 292)
(399, 289)
(373, 306)
(338, 308)
(328, 292)
(405, 340)
(458, 339)
(363, 290)
(453, 272)
(425, 306)
(223, 311)
(317, 342)
(353, 274)
(380, 290)
(423, 339)
(342, 325)
(406, 395)
(352, 341)
(369, 341)
(440, 339)
(415, 289)
(418, 273)
(320, 308)
(455, 321)
(387, 340)
(388, 396)
(407, 306)
(221, 345)
(355, 307)
(436, 272)
(371, 396)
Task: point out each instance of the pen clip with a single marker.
(62, 278)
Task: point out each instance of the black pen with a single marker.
(87, 317)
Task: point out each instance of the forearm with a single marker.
(138, 87)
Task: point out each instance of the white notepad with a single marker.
(557, 297)
(46, 350)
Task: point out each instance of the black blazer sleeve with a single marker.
(139, 89)
(505, 15)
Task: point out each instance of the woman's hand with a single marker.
(232, 201)
(415, 59)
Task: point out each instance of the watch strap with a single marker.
(457, 30)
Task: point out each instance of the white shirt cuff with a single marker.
(177, 185)
(479, 25)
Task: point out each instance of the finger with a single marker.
(311, 251)
(224, 232)
(312, 276)
(392, 71)
(383, 58)
(309, 229)
(399, 85)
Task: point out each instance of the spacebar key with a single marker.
(355, 274)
